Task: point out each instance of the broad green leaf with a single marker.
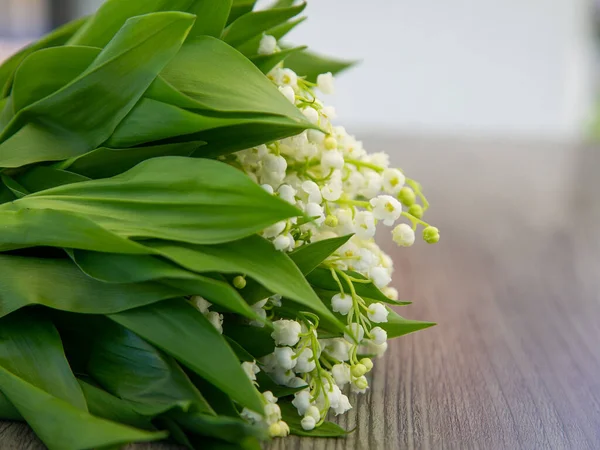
(118, 268)
(250, 47)
(267, 384)
(239, 8)
(7, 410)
(137, 372)
(107, 162)
(283, 3)
(219, 78)
(308, 257)
(59, 284)
(247, 135)
(62, 64)
(176, 434)
(80, 116)
(6, 194)
(6, 112)
(39, 178)
(326, 430)
(56, 38)
(182, 331)
(113, 14)
(17, 189)
(255, 23)
(218, 400)
(266, 62)
(211, 17)
(60, 425)
(399, 326)
(102, 404)
(191, 200)
(253, 256)
(229, 429)
(239, 351)
(153, 120)
(31, 349)
(206, 443)
(311, 65)
(45, 227)
(257, 341)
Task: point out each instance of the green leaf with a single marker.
(45, 227)
(217, 77)
(229, 429)
(7, 410)
(16, 188)
(250, 47)
(62, 426)
(56, 38)
(39, 178)
(266, 62)
(267, 384)
(398, 326)
(326, 430)
(80, 116)
(31, 349)
(107, 162)
(255, 23)
(211, 17)
(257, 341)
(62, 64)
(152, 120)
(102, 404)
(206, 443)
(253, 256)
(191, 200)
(59, 284)
(182, 331)
(311, 65)
(218, 400)
(239, 8)
(308, 257)
(137, 372)
(117, 268)
(176, 434)
(113, 14)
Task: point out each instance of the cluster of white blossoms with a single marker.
(344, 190)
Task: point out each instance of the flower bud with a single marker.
(330, 143)
(331, 221)
(407, 196)
(431, 235)
(359, 370)
(367, 363)
(275, 429)
(361, 383)
(416, 210)
(308, 423)
(239, 282)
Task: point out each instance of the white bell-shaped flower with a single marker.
(342, 303)
(286, 332)
(377, 313)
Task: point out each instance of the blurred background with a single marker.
(459, 68)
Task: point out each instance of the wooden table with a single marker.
(515, 287)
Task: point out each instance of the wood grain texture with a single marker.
(515, 288)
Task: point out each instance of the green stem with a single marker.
(358, 163)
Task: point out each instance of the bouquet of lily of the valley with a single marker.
(187, 242)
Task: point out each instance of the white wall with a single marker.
(476, 67)
(483, 67)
